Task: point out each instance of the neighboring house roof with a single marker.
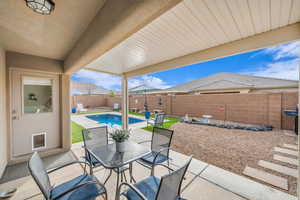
(82, 88)
(141, 89)
(223, 81)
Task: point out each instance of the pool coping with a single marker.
(85, 122)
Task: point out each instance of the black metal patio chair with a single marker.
(85, 186)
(160, 147)
(153, 188)
(158, 120)
(94, 137)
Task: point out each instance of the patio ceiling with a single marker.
(199, 30)
(51, 36)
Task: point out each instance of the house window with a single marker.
(38, 141)
(37, 95)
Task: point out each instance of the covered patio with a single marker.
(124, 38)
(202, 180)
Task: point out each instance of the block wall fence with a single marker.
(261, 109)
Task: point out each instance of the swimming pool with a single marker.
(112, 119)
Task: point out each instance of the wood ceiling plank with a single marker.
(263, 40)
(181, 32)
(285, 12)
(193, 26)
(202, 12)
(240, 12)
(221, 12)
(295, 12)
(275, 13)
(196, 25)
(189, 28)
(254, 6)
(264, 9)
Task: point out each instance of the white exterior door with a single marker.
(35, 112)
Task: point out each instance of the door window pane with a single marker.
(37, 95)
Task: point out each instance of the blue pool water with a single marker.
(112, 119)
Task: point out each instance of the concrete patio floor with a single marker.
(203, 181)
(193, 186)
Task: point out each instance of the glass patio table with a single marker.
(112, 159)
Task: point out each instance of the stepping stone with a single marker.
(279, 168)
(266, 177)
(288, 160)
(286, 151)
(290, 134)
(291, 146)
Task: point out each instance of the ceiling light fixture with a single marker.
(44, 7)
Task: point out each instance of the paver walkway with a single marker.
(275, 180)
(266, 177)
(279, 168)
(286, 151)
(285, 159)
(291, 146)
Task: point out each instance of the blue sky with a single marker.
(279, 62)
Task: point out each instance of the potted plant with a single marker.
(120, 136)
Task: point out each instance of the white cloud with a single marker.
(280, 69)
(112, 82)
(150, 81)
(102, 80)
(289, 50)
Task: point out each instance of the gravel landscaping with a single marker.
(232, 149)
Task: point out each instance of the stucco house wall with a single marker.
(43, 66)
(3, 114)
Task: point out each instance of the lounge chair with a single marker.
(116, 106)
(153, 188)
(157, 121)
(80, 108)
(85, 186)
(160, 147)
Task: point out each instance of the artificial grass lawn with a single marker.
(76, 132)
(77, 129)
(168, 124)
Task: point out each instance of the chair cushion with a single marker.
(148, 187)
(89, 191)
(150, 158)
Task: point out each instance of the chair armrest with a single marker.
(77, 187)
(145, 141)
(137, 191)
(71, 163)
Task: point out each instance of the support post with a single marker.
(65, 105)
(125, 103)
(298, 138)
